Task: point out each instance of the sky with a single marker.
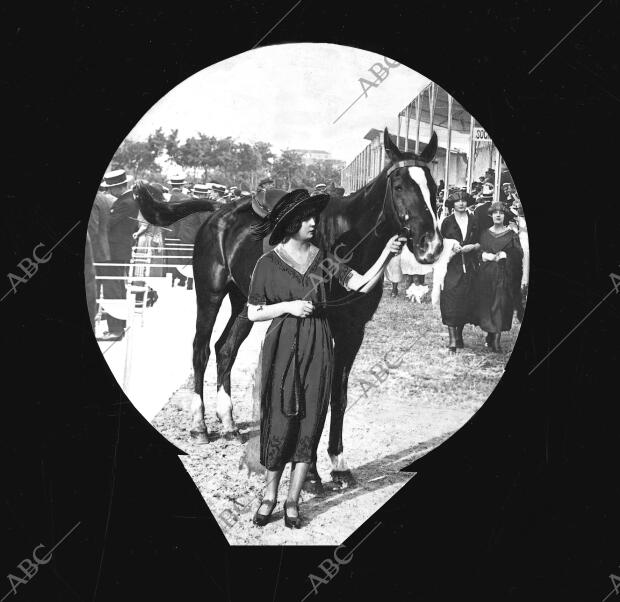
(288, 95)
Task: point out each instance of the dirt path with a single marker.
(388, 424)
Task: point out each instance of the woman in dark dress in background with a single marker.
(497, 287)
(456, 294)
(296, 370)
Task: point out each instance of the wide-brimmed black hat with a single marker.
(460, 195)
(286, 210)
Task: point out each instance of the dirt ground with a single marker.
(388, 424)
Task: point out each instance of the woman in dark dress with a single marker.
(455, 297)
(497, 287)
(287, 286)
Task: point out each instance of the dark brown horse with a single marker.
(401, 199)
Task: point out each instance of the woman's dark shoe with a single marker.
(488, 340)
(459, 337)
(292, 522)
(452, 341)
(394, 292)
(261, 520)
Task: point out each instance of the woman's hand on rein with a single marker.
(395, 244)
(300, 308)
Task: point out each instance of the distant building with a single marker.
(314, 156)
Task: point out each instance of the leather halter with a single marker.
(406, 163)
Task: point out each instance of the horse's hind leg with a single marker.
(226, 348)
(208, 305)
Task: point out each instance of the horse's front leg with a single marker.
(346, 348)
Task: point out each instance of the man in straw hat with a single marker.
(319, 189)
(98, 223)
(122, 224)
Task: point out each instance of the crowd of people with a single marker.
(116, 229)
(483, 276)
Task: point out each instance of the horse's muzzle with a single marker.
(429, 247)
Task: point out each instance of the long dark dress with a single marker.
(497, 285)
(291, 426)
(455, 300)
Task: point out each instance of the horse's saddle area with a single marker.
(263, 201)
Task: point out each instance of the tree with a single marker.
(172, 144)
(135, 157)
(208, 151)
(157, 142)
(321, 172)
(226, 156)
(290, 168)
(247, 158)
(189, 154)
(264, 155)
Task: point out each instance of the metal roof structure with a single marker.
(460, 116)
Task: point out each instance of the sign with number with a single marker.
(480, 135)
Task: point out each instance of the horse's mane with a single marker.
(340, 214)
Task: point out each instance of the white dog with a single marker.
(416, 292)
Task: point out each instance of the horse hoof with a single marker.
(314, 486)
(232, 435)
(200, 437)
(344, 477)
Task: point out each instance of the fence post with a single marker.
(448, 144)
(417, 128)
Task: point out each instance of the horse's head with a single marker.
(410, 204)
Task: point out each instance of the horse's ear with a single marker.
(428, 154)
(391, 150)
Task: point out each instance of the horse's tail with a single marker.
(160, 213)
